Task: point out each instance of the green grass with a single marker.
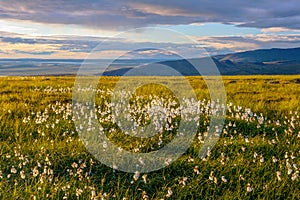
(243, 155)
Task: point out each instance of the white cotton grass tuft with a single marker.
(278, 174)
(249, 188)
(224, 179)
(169, 193)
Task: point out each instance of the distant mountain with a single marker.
(262, 61)
(263, 55)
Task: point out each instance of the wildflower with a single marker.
(293, 157)
(211, 176)
(74, 165)
(78, 192)
(295, 166)
(13, 170)
(103, 196)
(215, 180)
(255, 155)
(196, 170)
(144, 195)
(286, 155)
(183, 181)
(93, 194)
(144, 177)
(170, 193)
(39, 164)
(22, 174)
(295, 176)
(35, 172)
(243, 149)
(135, 176)
(190, 159)
(241, 177)
(224, 179)
(249, 188)
(262, 159)
(278, 174)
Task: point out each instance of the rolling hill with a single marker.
(262, 62)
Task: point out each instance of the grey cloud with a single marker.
(34, 53)
(119, 14)
(259, 42)
(87, 44)
(72, 44)
(17, 40)
(292, 22)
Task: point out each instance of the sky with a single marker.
(72, 29)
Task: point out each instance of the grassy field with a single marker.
(256, 157)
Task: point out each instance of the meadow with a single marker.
(256, 157)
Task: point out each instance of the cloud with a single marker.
(34, 52)
(225, 44)
(16, 45)
(17, 40)
(276, 30)
(107, 14)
